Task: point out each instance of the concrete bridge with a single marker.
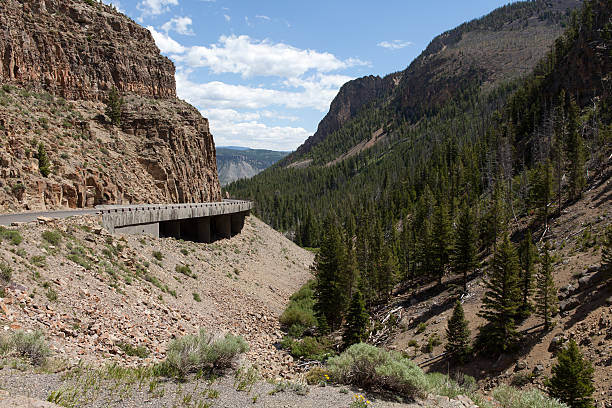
(199, 222)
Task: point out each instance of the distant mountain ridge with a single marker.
(483, 53)
(236, 162)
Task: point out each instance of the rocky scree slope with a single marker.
(59, 61)
(91, 293)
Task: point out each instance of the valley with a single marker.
(444, 238)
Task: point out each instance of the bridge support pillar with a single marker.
(170, 229)
(203, 229)
(223, 225)
(237, 222)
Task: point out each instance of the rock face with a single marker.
(79, 51)
(351, 97)
(58, 60)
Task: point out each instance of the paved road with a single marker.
(7, 219)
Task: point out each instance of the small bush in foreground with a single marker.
(201, 352)
(317, 375)
(28, 345)
(52, 237)
(510, 397)
(6, 273)
(375, 369)
(158, 255)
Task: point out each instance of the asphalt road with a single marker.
(7, 219)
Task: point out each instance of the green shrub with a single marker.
(310, 348)
(79, 256)
(441, 384)
(44, 164)
(520, 380)
(28, 345)
(185, 270)
(6, 273)
(195, 353)
(38, 260)
(52, 237)
(138, 351)
(432, 341)
(510, 397)
(299, 315)
(375, 369)
(421, 328)
(12, 235)
(196, 297)
(158, 255)
(317, 375)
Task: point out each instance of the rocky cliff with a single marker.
(58, 60)
(351, 97)
(79, 51)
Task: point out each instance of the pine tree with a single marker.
(527, 257)
(560, 130)
(543, 190)
(606, 252)
(329, 294)
(441, 240)
(458, 335)
(501, 300)
(546, 295)
(44, 165)
(575, 153)
(464, 251)
(357, 321)
(572, 378)
(113, 106)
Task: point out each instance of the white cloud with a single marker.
(155, 7)
(179, 24)
(262, 17)
(166, 44)
(227, 18)
(257, 135)
(315, 92)
(394, 45)
(247, 57)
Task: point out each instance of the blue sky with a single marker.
(265, 72)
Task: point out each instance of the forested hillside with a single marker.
(420, 198)
(501, 152)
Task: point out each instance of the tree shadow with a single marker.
(590, 299)
(482, 366)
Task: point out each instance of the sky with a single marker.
(264, 72)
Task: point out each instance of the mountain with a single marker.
(234, 162)
(380, 132)
(59, 61)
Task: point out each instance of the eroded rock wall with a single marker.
(58, 60)
(79, 51)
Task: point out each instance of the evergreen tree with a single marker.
(357, 321)
(113, 106)
(575, 153)
(606, 252)
(386, 272)
(501, 300)
(458, 335)
(527, 257)
(44, 165)
(464, 251)
(560, 130)
(441, 240)
(546, 295)
(328, 268)
(543, 190)
(572, 378)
